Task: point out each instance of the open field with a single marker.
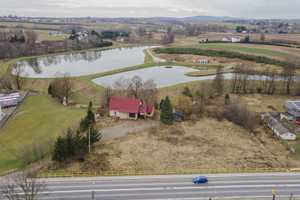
(205, 144)
(254, 51)
(39, 118)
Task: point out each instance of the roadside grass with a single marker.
(246, 49)
(76, 97)
(39, 118)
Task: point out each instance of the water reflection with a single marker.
(84, 63)
(165, 76)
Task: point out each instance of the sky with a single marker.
(259, 9)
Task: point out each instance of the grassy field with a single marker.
(40, 117)
(244, 49)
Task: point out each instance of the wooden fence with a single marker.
(163, 172)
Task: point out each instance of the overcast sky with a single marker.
(287, 9)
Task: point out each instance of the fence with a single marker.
(2, 126)
(163, 172)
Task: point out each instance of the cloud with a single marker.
(143, 8)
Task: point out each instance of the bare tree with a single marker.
(31, 38)
(19, 74)
(149, 92)
(106, 95)
(62, 86)
(18, 186)
(50, 144)
(218, 82)
(288, 73)
(25, 154)
(135, 85)
(121, 85)
(6, 81)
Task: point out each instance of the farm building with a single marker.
(286, 116)
(278, 128)
(56, 33)
(234, 40)
(293, 108)
(226, 39)
(202, 61)
(125, 108)
(178, 116)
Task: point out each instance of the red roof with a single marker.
(125, 105)
(150, 108)
(143, 109)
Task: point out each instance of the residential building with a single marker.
(226, 39)
(126, 108)
(202, 61)
(234, 40)
(293, 108)
(278, 128)
(57, 33)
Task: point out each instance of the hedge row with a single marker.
(227, 54)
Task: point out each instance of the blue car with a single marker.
(200, 179)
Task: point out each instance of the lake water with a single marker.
(162, 76)
(85, 63)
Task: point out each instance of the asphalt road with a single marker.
(176, 187)
(220, 186)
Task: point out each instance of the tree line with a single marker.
(227, 54)
(18, 44)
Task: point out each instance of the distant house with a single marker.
(228, 67)
(125, 108)
(293, 108)
(245, 31)
(178, 116)
(202, 61)
(234, 40)
(169, 60)
(120, 39)
(278, 128)
(56, 33)
(226, 39)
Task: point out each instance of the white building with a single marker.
(56, 33)
(293, 108)
(226, 39)
(235, 39)
(202, 61)
(279, 129)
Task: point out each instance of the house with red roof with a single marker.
(126, 108)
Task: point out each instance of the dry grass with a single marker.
(261, 103)
(205, 144)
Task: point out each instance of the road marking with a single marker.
(177, 188)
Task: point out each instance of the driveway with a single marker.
(125, 126)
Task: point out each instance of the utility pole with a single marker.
(89, 122)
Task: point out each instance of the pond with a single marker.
(163, 76)
(85, 63)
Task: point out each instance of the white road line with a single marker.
(178, 188)
(179, 183)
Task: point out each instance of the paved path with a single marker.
(156, 59)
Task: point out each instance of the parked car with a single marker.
(298, 122)
(200, 179)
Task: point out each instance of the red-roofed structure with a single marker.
(126, 108)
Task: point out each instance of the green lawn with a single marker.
(246, 49)
(40, 117)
